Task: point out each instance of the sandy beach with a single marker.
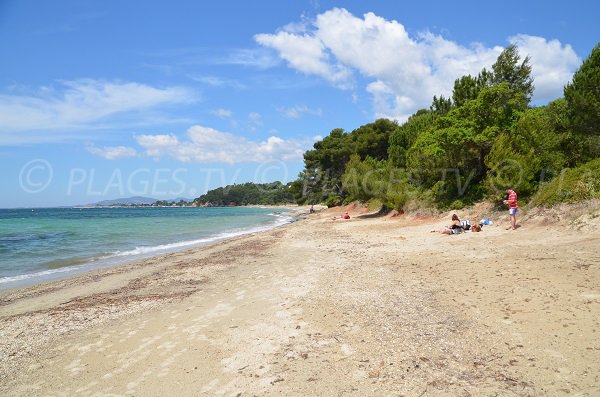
(373, 306)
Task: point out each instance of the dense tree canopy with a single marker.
(326, 163)
(247, 194)
(582, 95)
(482, 140)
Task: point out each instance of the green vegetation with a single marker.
(472, 146)
(572, 185)
(247, 194)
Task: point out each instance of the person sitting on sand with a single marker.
(344, 217)
(453, 228)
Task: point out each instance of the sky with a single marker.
(108, 99)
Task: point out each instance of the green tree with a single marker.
(248, 193)
(406, 134)
(528, 154)
(324, 165)
(467, 88)
(441, 105)
(372, 139)
(449, 157)
(582, 95)
(507, 69)
(376, 179)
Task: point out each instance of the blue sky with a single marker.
(106, 99)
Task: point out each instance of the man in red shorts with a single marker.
(513, 207)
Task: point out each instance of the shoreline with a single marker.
(107, 261)
(367, 306)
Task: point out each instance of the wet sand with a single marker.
(371, 306)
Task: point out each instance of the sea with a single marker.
(43, 244)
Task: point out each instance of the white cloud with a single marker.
(297, 111)
(222, 113)
(404, 72)
(306, 54)
(79, 103)
(207, 145)
(552, 64)
(387, 103)
(155, 145)
(112, 152)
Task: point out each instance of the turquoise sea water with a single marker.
(42, 244)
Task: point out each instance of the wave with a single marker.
(282, 219)
(42, 274)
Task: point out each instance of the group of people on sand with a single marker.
(458, 226)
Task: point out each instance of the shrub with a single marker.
(374, 204)
(333, 201)
(572, 185)
(348, 200)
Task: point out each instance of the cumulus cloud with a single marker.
(307, 54)
(208, 145)
(295, 112)
(74, 104)
(404, 72)
(112, 152)
(552, 64)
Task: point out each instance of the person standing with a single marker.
(513, 207)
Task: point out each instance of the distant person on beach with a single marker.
(513, 207)
(455, 227)
(312, 209)
(344, 217)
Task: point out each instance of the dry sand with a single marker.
(373, 306)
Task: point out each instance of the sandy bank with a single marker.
(372, 306)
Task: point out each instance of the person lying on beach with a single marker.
(455, 227)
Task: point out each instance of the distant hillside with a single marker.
(137, 200)
(247, 194)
